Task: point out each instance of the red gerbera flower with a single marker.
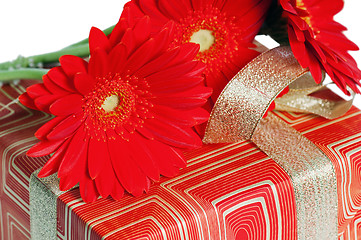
(318, 43)
(122, 119)
(224, 29)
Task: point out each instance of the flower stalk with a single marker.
(22, 73)
(31, 67)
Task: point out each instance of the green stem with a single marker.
(35, 61)
(22, 73)
(80, 49)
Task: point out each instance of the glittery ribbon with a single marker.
(237, 115)
(300, 99)
(43, 197)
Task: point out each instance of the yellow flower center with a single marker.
(216, 34)
(116, 103)
(110, 103)
(204, 38)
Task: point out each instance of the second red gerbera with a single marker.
(224, 29)
(122, 119)
(318, 43)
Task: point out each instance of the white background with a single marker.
(39, 26)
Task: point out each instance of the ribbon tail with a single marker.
(308, 97)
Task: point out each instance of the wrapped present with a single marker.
(227, 191)
(169, 87)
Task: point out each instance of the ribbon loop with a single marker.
(246, 98)
(248, 95)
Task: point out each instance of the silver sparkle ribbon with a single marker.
(237, 115)
(43, 201)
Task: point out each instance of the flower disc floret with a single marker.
(114, 101)
(223, 30)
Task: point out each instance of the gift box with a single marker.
(227, 191)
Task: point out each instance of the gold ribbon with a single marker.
(300, 99)
(44, 193)
(237, 115)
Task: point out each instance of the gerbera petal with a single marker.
(118, 191)
(66, 128)
(187, 52)
(200, 115)
(58, 76)
(172, 10)
(67, 105)
(44, 148)
(106, 179)
(97, 39)
(143, 26)
(173, 135)
(75, 157)
(43, 103)
(98, 154)
(68, 181)
(298, 48)
(53, 87)
(88, 190)
(145, 133)
(187, 69)
(341, 66)
(141, 56)
(52, 165)
(143, 157)
(286, 5)
(169, 160)
(192, 98)
(176, 85)
(27, 101)
(163, 38)
(336, 41)
(299, 23)
(218, 81)
(119, 29)
(117, 58)
(84, 83)
(243, 56)
(149, 7)
(157, 64)
(315, 68)
(128, 173)
(319, 53)
(72, 65)
(44, 130)
(185, 118)
(98, 63)
(199, 4)
(37, 90)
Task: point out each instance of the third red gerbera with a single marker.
(122, 119)
(224, 29)
(318, 43)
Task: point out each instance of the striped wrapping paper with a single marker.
(228, 191)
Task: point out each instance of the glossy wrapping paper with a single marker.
(227, 191)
